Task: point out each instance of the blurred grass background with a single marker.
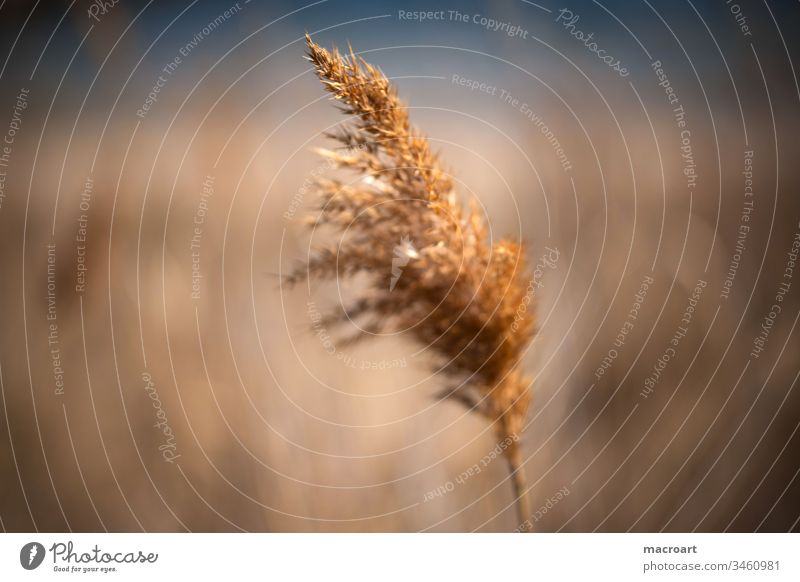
(273, 433)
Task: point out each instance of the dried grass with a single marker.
(433, 271)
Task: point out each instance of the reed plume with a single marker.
(433, 272)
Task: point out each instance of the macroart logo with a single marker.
(31, 555)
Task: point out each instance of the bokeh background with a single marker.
(274, 426)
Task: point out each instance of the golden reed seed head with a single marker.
(432, 270)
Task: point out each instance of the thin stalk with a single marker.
(520, 485)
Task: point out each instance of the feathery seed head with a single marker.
(456, 293)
